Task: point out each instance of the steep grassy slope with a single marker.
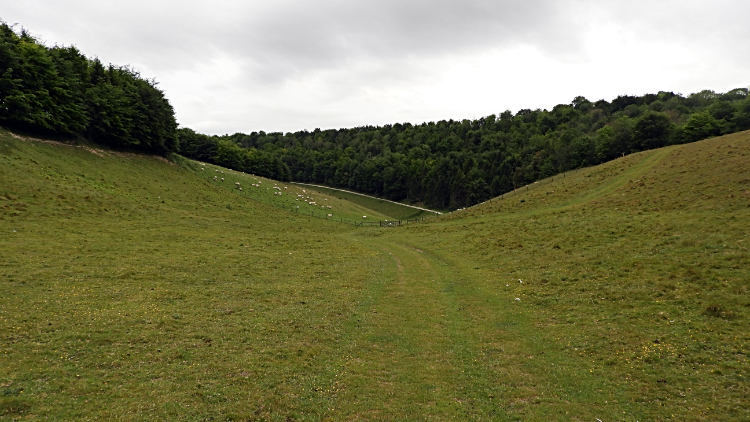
(394, 210)
(287, 196)
(618, 293)
(136, 289)
(131, 290)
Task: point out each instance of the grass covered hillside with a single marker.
(619, 293)
(132, 288)
(394, 210)
(287, 196)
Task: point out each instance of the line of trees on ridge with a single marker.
(457, 163)
(446, 164)
(58, 91)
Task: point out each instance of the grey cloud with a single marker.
(287, 64)
(285, 37)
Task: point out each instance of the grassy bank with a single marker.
(619, 293)
(392, 210)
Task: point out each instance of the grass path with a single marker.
(413, 342)
(122, 275)
(648, 161)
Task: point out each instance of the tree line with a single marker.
(60, 92)
(457, 163)
(446, 164)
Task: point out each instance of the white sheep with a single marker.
(222, 179)
(240, 188)
(364, 216)
(237, 183)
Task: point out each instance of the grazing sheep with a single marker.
(237, 183)
(330, 215)
(222, 179)
(240, 188)
(364, 216)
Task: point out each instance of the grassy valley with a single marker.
(132, 288)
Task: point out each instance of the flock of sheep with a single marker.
(304, 196)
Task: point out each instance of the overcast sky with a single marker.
(281, 65)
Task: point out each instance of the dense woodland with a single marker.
(58, 91)
(446, 164)
(452, 164)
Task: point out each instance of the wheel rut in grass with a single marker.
(411, 346)
(635, 171)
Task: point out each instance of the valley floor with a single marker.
(132, 290)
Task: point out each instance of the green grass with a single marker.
(634, 303)
(136, 289)
(287, 196)
(391, 210)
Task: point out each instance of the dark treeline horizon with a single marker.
(57, 91)
(447, 164)
(452, 164)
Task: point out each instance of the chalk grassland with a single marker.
(621, 293)
(133, 290)
(393, 211)
(287, 196)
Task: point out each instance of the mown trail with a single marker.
(122, 276)
(439, 334)
(413, 344)
(442, 339)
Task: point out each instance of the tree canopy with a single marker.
(457, 163)
(58, 91)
